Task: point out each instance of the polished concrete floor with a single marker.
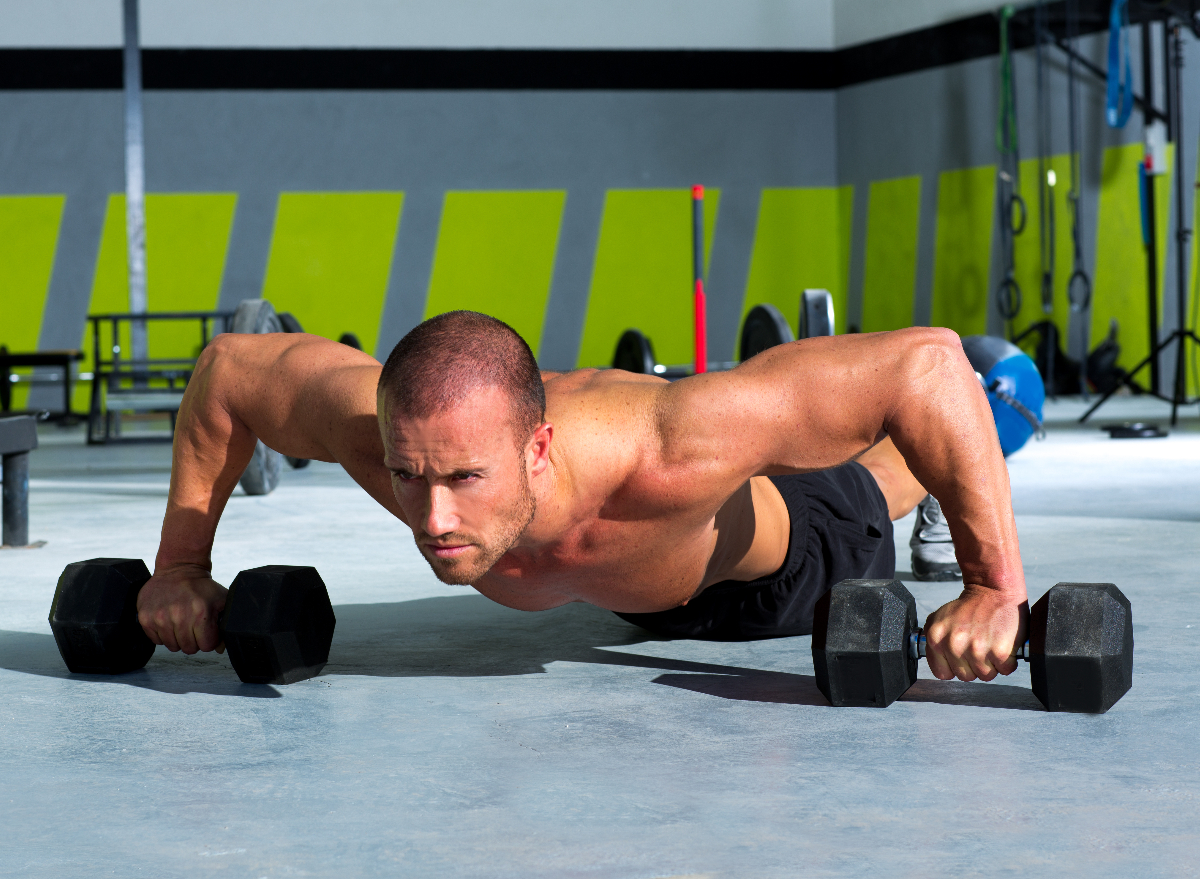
(450, 736)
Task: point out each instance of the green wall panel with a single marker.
(331, 254)
(187, 237)
(802, 240)
(28, 238)
(962, 249)
(890, 266)
(1120, 280)
(495, 254)
(642, 276)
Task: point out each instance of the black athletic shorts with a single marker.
(840, 530)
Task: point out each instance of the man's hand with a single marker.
(179, 608)
(975, 636)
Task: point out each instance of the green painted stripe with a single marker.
(28, 238)
(963, 248)
(845, 224)
(331, 253)
(187, 238)
(495, 254)
(890, 267)
(801, 240)
(1120, 282)
(642, 276)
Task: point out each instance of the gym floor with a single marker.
(449, 736)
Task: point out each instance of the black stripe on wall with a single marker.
(419, 69)
(951, 43)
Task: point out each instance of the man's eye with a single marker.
(464, 477)
(403, 475)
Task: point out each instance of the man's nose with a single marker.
(441, 516)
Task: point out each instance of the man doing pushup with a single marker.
(720, 506)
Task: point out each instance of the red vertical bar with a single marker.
(699, 303)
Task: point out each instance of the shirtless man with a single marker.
(720, 506)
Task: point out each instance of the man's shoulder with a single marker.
(604, 425)
(592, 380)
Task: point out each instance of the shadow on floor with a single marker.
(746, 685)
(210, 673)
(979, 695)
(470, 636)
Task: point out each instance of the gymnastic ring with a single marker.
(1080, 303)
(1017, 228)
(1008, 298)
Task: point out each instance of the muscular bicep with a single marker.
(308, 397)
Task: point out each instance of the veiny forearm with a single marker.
(940, 420)
(211, 450)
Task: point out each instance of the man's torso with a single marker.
(622, 528)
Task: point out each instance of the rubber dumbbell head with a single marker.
(1081, 647)
(860, 642)
(278, 624)
(866, 645)
(94, 616)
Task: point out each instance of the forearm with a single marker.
(211, 450)
(941, 422)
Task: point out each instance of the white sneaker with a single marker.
(932, 547)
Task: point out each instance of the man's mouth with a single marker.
(447, 552)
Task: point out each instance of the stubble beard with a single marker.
(461, 572)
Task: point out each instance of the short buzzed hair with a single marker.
(445, 359)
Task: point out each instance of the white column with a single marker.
(135, 180)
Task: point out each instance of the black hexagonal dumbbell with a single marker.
(277, 623)
(866, 645)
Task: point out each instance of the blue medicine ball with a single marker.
(1013, 384)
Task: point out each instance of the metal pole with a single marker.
(699, 303)
(1151, 214)
(1182, 232)
(135, 183)
(15, 513)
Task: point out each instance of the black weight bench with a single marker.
(18, 437)
(60, 359)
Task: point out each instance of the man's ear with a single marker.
(538, 450)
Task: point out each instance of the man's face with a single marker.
(460, 478)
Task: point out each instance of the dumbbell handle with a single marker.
(916, 647)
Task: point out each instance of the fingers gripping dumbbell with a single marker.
(866, 645)
(277, 623)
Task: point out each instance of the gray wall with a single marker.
(628, 24)
(424, 143)
(260, 143)
(945, 118)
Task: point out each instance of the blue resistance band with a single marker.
(1120, 87)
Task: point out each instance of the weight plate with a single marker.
(1137, 430)
(289, 323)
(256, 316)
(764, 327)
(816, 314)
(634, 353)
(262, 473)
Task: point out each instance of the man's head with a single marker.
(461, 408)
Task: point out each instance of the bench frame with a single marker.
(122, 384)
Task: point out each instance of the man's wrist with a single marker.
(168, 561)
(998, 590)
